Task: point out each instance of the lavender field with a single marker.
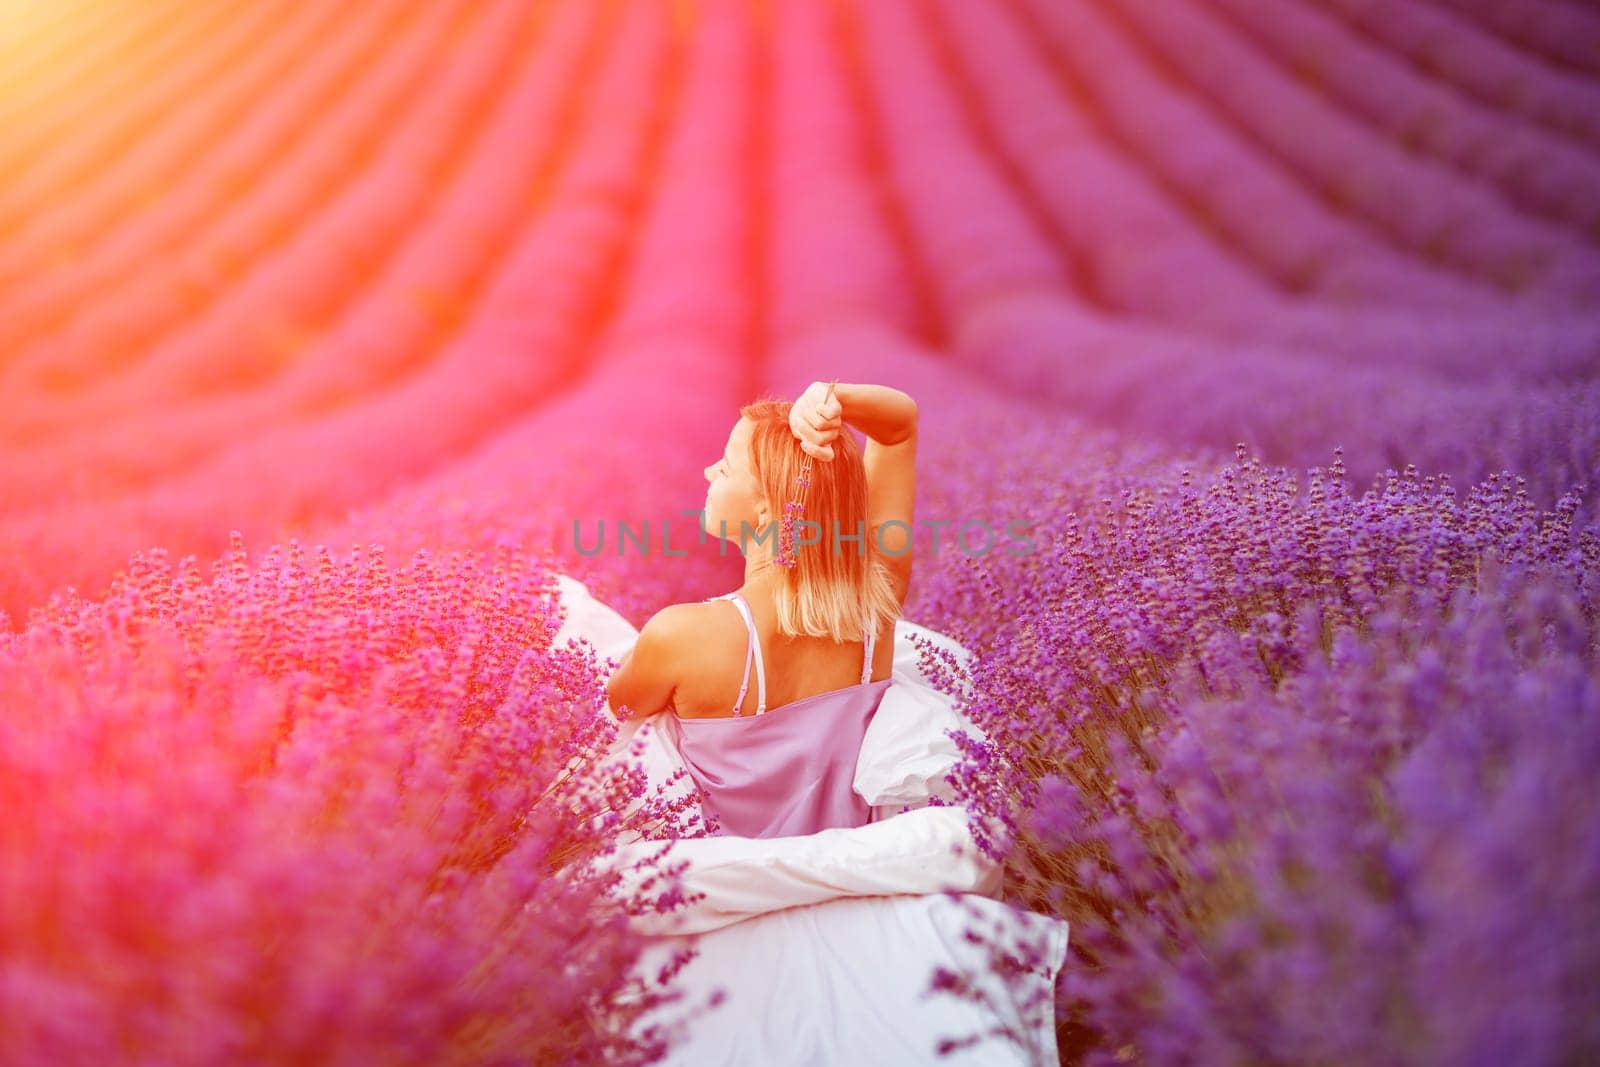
(324, 327)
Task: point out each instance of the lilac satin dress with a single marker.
(782, 771)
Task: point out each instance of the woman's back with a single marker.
(794, 668)
(767, 771)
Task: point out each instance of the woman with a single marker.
(780, 760)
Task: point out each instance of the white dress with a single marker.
(824, 946)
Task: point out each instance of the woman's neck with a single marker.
(761, 577)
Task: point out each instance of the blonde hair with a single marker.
(839, 589)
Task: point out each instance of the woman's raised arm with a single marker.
(888, 417)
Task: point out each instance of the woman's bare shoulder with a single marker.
(697, 626)
(707, 634)
(682, 622)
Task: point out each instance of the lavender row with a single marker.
(1423, 209)
(974, 238)
(177, 72)
(832, 255)
(220, 210)
(447, 256)
(685, 347)
(667, 367)
(53, 65)
(485, 377)
(1479, 65)
(1184, 390)
(1561, 33)
(1534, 171)
(1263, 211)
(1097, 200)
(261, 322)
(1183, 276)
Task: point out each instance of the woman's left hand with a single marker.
(816, 418)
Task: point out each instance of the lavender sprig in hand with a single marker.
(793, 509)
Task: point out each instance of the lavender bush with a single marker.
(312, 810)
(1306, 771)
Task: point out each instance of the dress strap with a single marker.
(866, 668)
(754, 652)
